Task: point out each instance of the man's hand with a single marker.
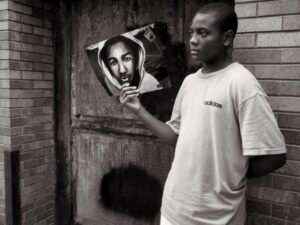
(265, 164)
(129, 97)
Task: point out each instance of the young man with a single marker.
(222, 126)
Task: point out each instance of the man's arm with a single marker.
(128, 98)
(265, 164)
(160, 129)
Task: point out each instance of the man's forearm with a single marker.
(263, 165)
(160, 129)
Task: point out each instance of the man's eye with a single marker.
(203, 33)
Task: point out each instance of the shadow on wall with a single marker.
(132, 191)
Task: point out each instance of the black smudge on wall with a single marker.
(132, 191)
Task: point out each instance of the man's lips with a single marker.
(194, 51)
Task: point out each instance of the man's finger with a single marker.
(128, 97)
(124, 89)
(126, 93)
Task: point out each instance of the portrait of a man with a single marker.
(124, 59)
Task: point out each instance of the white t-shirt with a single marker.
(222, 119)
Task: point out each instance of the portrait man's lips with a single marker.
(125, 79)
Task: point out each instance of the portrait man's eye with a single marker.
(113, 62)
(128, 57)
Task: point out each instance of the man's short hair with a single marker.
(224, 13)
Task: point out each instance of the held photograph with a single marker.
(135, 57)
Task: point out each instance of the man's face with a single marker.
(121, 62)
(206, 39)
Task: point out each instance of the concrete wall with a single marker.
(26, 110)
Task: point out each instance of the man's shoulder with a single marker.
(244, 83)
(188, 78)
(241, 76)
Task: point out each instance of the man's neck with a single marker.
(216, 65)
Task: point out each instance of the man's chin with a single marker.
(196, 58)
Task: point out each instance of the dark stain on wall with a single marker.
(132, 191)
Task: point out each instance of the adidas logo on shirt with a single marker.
(213, 103)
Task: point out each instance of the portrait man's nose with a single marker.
(122, 69)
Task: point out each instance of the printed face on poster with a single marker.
(136, 57)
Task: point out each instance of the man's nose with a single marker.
(193, 40)
(122, 68)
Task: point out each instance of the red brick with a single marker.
(277, 72)
(43, 84)
(288, 120)
(257, 219)
(32, 145)
(244, 41)
(32, 75)
(18, 65)
(16, 93)
(32, 180)
(21, 103)
(292, 136)
(278, 7)
(3, 5)
(287, 183)
(284, 39)
(290, 104)
(43, 102)
(15, 26)
(27, 28)
(273, 195)
(19, 8)
(286, 212)
(43, 67)
(31, 20)
(281, 88)
(290, 168)
(293, 152)
(42, 31)
(291, 22)
(34, 3)
(29, 38)
(21, 84)
(260, 24)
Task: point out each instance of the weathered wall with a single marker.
(268, 43)
(105, 135)
(26, 110)
(95, 134)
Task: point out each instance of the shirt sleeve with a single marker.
(259, 128)
(175, 120)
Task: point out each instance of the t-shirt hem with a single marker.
(264, 151)
(165, 212)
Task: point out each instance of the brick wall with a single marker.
(269, 44)
(26, 111)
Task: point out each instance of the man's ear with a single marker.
(228, 38)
